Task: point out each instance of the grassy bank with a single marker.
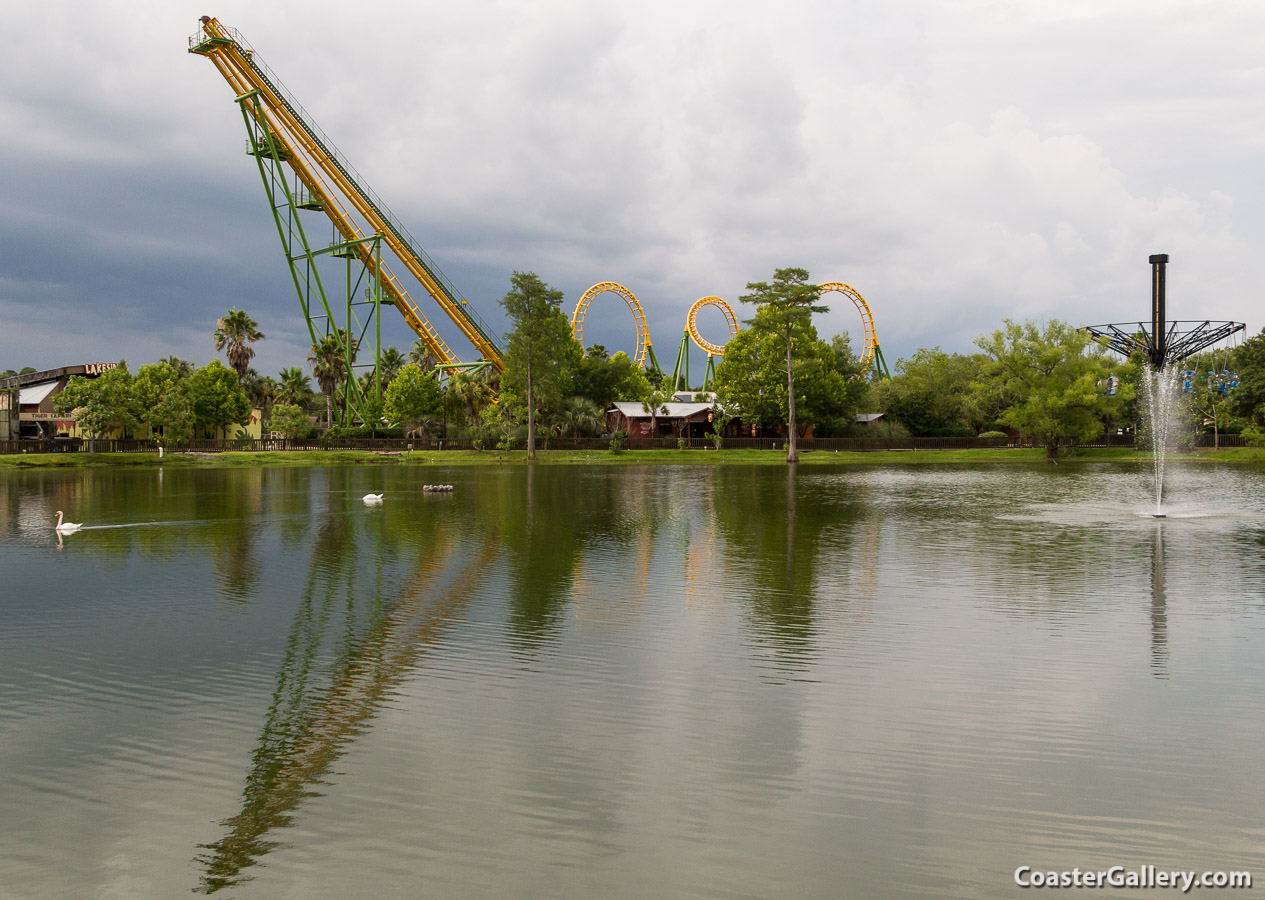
(592, 457)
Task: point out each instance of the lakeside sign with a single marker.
(53, 374)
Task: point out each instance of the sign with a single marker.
(68, 418)
(98, 368)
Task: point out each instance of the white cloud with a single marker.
(956, 162)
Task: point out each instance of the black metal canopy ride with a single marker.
(1166, 342)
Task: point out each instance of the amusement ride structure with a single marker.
(303, 172)
(1167, 342)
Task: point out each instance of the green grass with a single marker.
(594, 457)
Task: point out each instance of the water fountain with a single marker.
(1167, 342)
(1160, 396)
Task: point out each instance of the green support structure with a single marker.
(681, 370)
(879, 364)
(358, 316)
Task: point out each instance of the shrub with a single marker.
(617, 441)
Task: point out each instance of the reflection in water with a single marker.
(1159, 607)
(687, 682)
(772, 540)
(307, 729)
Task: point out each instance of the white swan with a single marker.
(373, 499)
(66, 527)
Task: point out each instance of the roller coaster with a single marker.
(302, 171)
(871, 354)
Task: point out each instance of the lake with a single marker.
(627, 681)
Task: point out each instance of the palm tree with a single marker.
(261, 390)
(329, 367)
(472, 392)
(294, 387)
(421, 355)
(182, 367)
(656, 402)
(236, 331)
(580, 414)
(390, 361)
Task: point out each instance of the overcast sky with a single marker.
(958, 162)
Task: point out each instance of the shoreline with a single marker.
(274, 458)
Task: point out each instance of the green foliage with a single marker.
(540, 352)
(218, 398)
(293, 387)
(234, 333)
(604, 379)
(1248, 399)
(291, 420)
(579, 415)
(1047, 383)
(931, 393)
(784, 308)
(165, 397)
(617, 441)
(751, 379)
(390, 362)
(103, 404)
(331, 358)
(414, 399)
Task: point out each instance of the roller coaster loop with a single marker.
(639, 317)
(730, 320)
(870, 352)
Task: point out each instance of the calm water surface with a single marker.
(627, 682)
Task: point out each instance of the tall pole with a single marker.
(1159, 321)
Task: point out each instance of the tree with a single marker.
(218, 398)
(655, 404)
(166, 402)
(390, 362)
(293, 387)
(413, 399)
(1248, 398)
(604, 379)
(789, 303)
(182, 367)
(540, 352)
(472, 392)
(579, 415)
(1048, 384)
(234, 333)
(261, 390)
(930, 394)
(751, 380)
(419, 354)
(102, 404)
(329, 367)
(291, 420)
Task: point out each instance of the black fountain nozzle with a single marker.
(1159, 515)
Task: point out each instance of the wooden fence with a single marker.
(401, 445)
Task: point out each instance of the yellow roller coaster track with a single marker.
(639, 316)
(692, 326)
(870, 341)
(329, 181)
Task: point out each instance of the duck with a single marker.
(66, 527)
(373, 499)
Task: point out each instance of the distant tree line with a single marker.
(1050, 383)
